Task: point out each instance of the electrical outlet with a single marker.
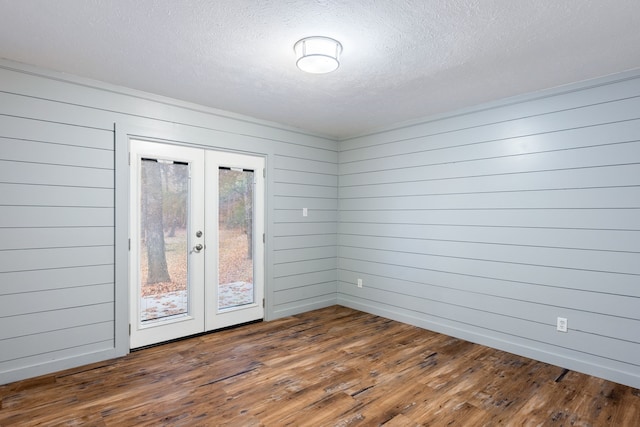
(359, 282)
(562, 325)
(305, 212)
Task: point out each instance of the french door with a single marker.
(197, 251)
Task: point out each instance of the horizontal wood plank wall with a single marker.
(305, 254)
(56, 239)
(491, 223)
(57, 211)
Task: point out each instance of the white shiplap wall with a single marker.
(63, 212)
(56, 239)
(305, 247)
(491, 223)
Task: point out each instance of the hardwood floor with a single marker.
(329, 367)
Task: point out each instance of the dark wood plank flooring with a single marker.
(329, 367)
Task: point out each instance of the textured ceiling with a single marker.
(402, 59)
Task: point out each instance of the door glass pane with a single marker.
(235, 252)
(163, 240)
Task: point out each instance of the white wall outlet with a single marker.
(359, 282)
(562, 324)
(305, 212)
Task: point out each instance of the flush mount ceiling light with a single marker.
(317, 54)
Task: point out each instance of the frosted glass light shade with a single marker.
(318, 55)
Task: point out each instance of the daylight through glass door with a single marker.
(236, 234)
(163, 240)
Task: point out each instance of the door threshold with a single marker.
(226, 328)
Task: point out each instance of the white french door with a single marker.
(197, 251)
